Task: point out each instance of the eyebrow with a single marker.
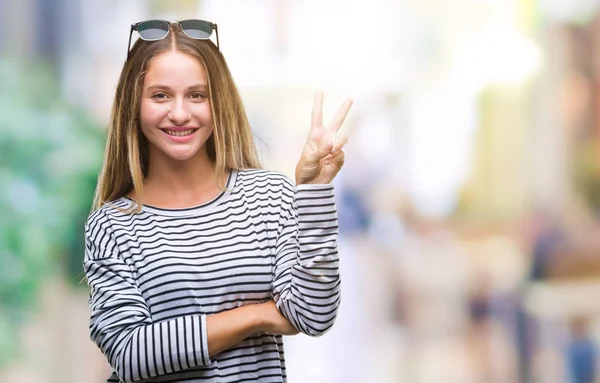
(165, 87)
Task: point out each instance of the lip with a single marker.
(179, 139)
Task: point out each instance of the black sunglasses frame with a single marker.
(135, 27)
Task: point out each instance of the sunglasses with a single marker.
(154, 30)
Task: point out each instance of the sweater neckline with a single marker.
(192, 210)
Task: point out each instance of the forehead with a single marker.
(175, 67)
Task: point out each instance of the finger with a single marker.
(318, 153)
(337, 159)
(317, 110)
(341, 114)
(324, 151)
(339, 144)
(324, 145)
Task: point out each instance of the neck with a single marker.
(176, 184)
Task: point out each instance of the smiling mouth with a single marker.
(179, 133)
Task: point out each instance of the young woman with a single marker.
(198, 261)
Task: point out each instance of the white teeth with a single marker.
(179, 133)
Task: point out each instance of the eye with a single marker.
(197, 96)
(159, 96)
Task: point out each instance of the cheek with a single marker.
(151, 113)
(203, 113)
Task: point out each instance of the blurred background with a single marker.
(469, 204)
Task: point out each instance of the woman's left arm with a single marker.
(306, 286)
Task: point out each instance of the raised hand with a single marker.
(322, 156)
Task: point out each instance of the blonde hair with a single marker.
(230, 147)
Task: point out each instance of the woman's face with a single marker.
(175, 110)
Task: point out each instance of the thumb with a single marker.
(324, 146)
(324, 150)
(318, 153)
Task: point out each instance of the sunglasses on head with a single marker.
(154, 30)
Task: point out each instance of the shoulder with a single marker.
(100, 220)
(265, 179)
(265, 187)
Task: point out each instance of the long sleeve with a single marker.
(120, 322)
(307, 281)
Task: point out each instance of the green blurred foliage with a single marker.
(50, 154)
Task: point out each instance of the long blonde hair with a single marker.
(230, 147)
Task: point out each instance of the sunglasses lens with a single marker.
(196, 29)
(153, 30)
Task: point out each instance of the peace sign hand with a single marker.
(322, 156)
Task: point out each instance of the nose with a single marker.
(179, 114)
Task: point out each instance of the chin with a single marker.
(177, 153)
(182, 156)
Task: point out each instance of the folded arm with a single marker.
(307, 281)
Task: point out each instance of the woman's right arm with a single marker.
(138, 349)
(228, 328)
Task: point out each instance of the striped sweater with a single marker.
(155, 276)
